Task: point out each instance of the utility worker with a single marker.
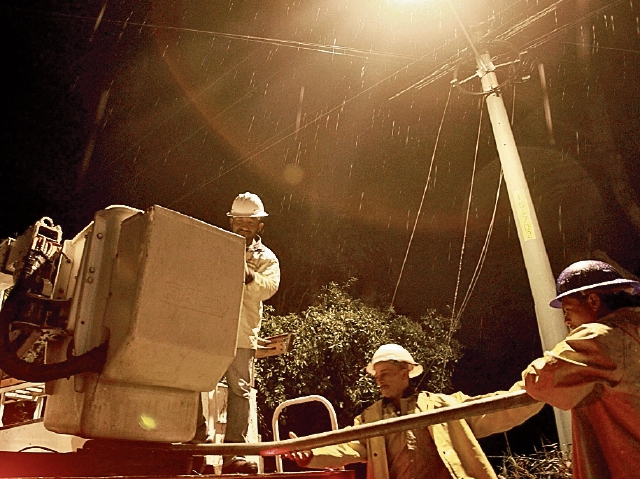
(595, 371)
(261, 281)
(441, 451)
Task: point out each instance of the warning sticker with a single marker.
(524, 217)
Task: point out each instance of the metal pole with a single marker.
(541, 280)
(476, 407)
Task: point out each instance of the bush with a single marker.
(334, 341)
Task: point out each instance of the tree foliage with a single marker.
(335, 339)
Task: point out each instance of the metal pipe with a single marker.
(471, 408)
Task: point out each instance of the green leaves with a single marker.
(335, 340)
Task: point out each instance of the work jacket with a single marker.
(266, 279)
(595, 372)
(455, 440)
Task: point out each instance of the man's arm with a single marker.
(263, 277)
(566, 375)
(499, 421)
(333, 456)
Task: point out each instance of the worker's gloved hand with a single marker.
(301, 458)
(264, 343)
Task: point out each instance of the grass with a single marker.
(547, 463)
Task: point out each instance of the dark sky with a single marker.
(330, 111)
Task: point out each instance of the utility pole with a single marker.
(536, 261)
(541, 280)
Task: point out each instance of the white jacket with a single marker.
(266, 279)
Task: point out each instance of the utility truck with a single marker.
(138, 317)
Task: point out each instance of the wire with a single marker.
(600, 47)
(261, 149)
(474, 279)
(205, 124)
(466, 220)
(472, 44)
(541, 40)
(483, 254)
(317, 47)
(529, 20)
(322, 48)
(424, 192)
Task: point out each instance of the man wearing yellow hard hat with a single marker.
(441, 451)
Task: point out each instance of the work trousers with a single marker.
(239, 380)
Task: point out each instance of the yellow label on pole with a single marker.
(524, 217)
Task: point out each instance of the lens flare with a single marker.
(146, 422)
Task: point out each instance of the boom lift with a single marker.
(140, 314)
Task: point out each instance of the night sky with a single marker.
(340, 114)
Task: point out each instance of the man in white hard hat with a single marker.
(262, 278)
(441, 451)
(595, 371)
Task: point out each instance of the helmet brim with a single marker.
(255, 215)
(629, 285)
(415, 371)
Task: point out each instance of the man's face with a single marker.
(392, 379)
(246, 226)
(580, 310)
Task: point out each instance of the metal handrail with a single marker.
(471, 408)
(289, 402)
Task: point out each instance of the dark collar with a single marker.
(410, 391)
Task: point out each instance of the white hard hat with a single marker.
(247, 205)
(394, 352)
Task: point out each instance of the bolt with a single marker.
(100, 235)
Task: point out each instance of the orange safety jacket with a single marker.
(595, 372)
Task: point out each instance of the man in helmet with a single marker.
(261, 281)
(595, 371)
(441, 451)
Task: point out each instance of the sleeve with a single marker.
(503, 420)
(266, 277)
(566, 375)
(340, 454)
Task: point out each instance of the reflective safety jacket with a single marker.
(595, 372)
(266, 279)
(455, 441)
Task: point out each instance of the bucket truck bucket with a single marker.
(166, 291)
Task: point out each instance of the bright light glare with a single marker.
(408, 2)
